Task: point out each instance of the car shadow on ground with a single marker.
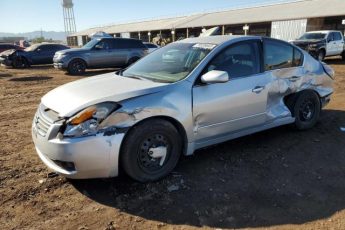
(31, 78)
(279, 176)
(334, 61)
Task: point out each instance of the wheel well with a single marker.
(173, 121)
(289, 100)
(323, 50)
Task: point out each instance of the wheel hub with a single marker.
(153, 152)
(158, 153)
(307, 110)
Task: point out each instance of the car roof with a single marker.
(217, 40)
(323, 31)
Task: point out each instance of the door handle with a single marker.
(258, 89)
(294, 78)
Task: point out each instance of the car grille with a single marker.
(303, 46)
(44, 119)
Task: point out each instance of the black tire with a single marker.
(20, 62)
(136, 154)
(306, 110)
(76, 67)
(343, 56)
(132, 60)
(321, 55)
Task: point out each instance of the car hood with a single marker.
(7, 52)
(308, 41)
(72, 51)
(70, 98)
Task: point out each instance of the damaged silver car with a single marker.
(185, 96)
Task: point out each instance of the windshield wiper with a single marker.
(137, 77)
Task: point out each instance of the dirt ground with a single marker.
(277, 179)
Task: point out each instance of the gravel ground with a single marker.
(277, 179)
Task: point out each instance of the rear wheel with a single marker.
(306, 110)
(151, 150)
(76, 67)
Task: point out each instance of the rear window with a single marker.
(337, 36)
(151, 46)
(277, 55)
(298, 57)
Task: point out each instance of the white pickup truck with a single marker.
(321, 44)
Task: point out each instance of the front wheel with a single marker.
(321, 55)
(20, 63)
(151, 150)
(76, 67)
(307, 110)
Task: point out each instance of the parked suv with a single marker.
(100, 53)
(209, 90)
(321, 44)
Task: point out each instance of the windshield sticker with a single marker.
(204, 46)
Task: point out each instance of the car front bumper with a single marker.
(79, 158)
(5, 61)
(60, 65)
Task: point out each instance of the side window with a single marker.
(277, 55)
(238, 60)
(337, 36)
(297, 57)
(120, 44)
(104, 44)
(43, 48)
(330, 37)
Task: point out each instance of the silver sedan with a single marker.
(185, 96)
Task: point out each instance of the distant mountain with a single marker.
(35, 34)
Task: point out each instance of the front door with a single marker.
(101, 54)
(224, 108)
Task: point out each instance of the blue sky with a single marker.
(29, 15)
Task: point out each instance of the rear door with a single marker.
(121, 52)
(331, 47)
(339, 43)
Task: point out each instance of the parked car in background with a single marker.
(7, 46)
(151, 47)
(144, 117)
(100, 53)
(321, 44)
(34, 55)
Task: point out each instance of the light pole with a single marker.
(246, 29)
(139, 35)
(149, 33)
(173, 35)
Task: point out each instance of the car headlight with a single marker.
(87, 122)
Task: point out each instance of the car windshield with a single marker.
(32, 48)
(171, 63)
(91, 44)
(313, 36)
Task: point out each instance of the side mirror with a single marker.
(215, 76)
